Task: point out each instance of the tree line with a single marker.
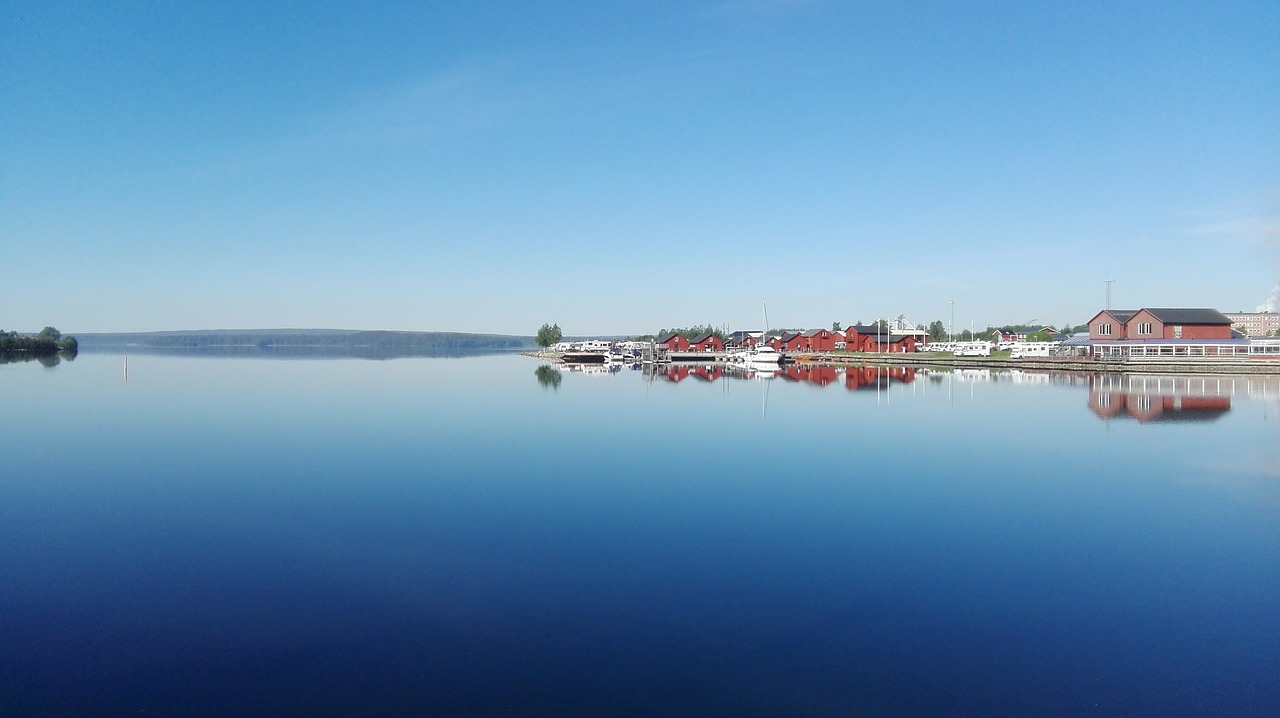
(47, 342)
(313, 340)
(550, 334)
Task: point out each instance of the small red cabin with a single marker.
(706, 343)
(674, 342)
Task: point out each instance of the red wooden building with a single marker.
(673, 342)
(796, 343)
(1150, 324)
(779, 342)
(706, 343)
(824, 340)
(872, 339)
(1109, 324)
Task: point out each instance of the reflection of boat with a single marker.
(594, 369)
(584, 357)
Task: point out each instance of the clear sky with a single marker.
(623, 167)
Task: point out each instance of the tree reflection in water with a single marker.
(548, 376)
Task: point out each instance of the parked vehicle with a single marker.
(972, 349)
(1032, 349)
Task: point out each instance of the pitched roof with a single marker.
(702, 338)
(877, 332)
(1120, 315)
(668, 337)
(1188, 316)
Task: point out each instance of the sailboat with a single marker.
(763, 355)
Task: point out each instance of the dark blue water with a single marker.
(456, 537)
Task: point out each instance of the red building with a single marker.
(872, 339)
(1178, 324)
(779, 342)
(674, 342)
(796, 343)
(706, 343)
(823, 340)
(1109, 324)
(1159, 324)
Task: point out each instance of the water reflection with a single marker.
(548, 376)
(1160, 398)
(820, 375)
(46, 360)
(1146, 398)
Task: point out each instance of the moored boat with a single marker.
(584, 357)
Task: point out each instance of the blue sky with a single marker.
(622, 167)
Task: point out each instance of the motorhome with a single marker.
(1032, 349)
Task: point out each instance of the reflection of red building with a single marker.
(868, 377)
(1146, 408)
(822, 375)
(707, 373)
(676, 373)
(819, 374)
(679, 372)
(1158, 398)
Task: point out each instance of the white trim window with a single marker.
(1144, 329)
(1104, 330)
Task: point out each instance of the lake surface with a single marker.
(474, 537)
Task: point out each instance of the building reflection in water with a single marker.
(819, 375)
(1149, 399)
(1146, 398)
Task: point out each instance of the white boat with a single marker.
(761, 354)
(764, 355)
(592, 351)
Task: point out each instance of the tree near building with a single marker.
(548, 335)
(937, 330)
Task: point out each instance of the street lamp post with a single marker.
(951, 335)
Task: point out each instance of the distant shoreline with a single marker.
(342, 340)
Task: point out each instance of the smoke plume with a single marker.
(1273, 301)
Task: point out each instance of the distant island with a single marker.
(307, 342)
(48, 343)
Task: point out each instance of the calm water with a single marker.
(464, 536)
